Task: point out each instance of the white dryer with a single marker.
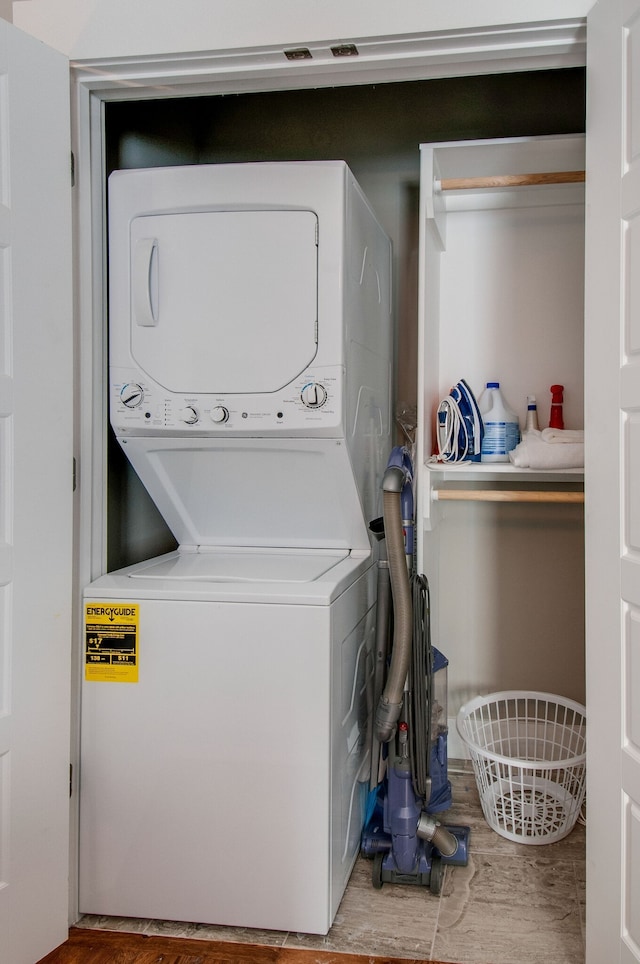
(225, 704)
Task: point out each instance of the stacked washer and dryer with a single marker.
(227, 692)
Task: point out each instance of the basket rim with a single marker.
(467, 708)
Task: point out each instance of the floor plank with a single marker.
(112, 947)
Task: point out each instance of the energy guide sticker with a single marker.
(111, 642)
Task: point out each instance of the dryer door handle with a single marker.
(145, 282)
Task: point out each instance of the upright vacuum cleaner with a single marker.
(409, 777)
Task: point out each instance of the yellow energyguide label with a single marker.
(111, 642)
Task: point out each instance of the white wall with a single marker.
(6, 11)
(86, 29)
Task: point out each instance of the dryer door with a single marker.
(224, 301)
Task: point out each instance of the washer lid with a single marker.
(224, 302)
(241, 565)
(260, 492)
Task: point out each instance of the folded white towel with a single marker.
(564, 435)
(533, 452)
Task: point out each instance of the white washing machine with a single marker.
(226, 699)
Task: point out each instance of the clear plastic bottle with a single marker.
(531, 424)
(501, 425)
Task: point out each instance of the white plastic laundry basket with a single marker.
(528, 754)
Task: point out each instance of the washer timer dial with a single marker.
(313, 395)
(131, 395)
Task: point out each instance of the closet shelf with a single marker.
(503, 472)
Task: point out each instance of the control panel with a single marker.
(312, 404)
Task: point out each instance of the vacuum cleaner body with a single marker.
(409, 742)
(407, 844)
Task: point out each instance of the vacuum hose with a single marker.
(429, 829)
(390, 703)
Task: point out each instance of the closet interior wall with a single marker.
(503, 300)
(488, 606)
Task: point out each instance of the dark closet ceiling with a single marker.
(347, 122)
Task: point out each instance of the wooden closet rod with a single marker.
(505, 495)
(511, 180)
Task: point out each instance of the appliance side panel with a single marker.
(353, 645)
(368, 346)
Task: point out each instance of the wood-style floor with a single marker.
(110, 947)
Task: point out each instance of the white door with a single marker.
(35, 496)
(612, 394)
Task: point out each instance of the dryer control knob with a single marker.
(131, 395)
(313, 395)
(188, 415)
(219, 414)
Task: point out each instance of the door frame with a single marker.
(535, 46)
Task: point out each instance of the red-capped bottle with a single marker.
(556, 418)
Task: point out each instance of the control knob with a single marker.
(188, 415)
(131, 395)
(313, 395)
(219, 414)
